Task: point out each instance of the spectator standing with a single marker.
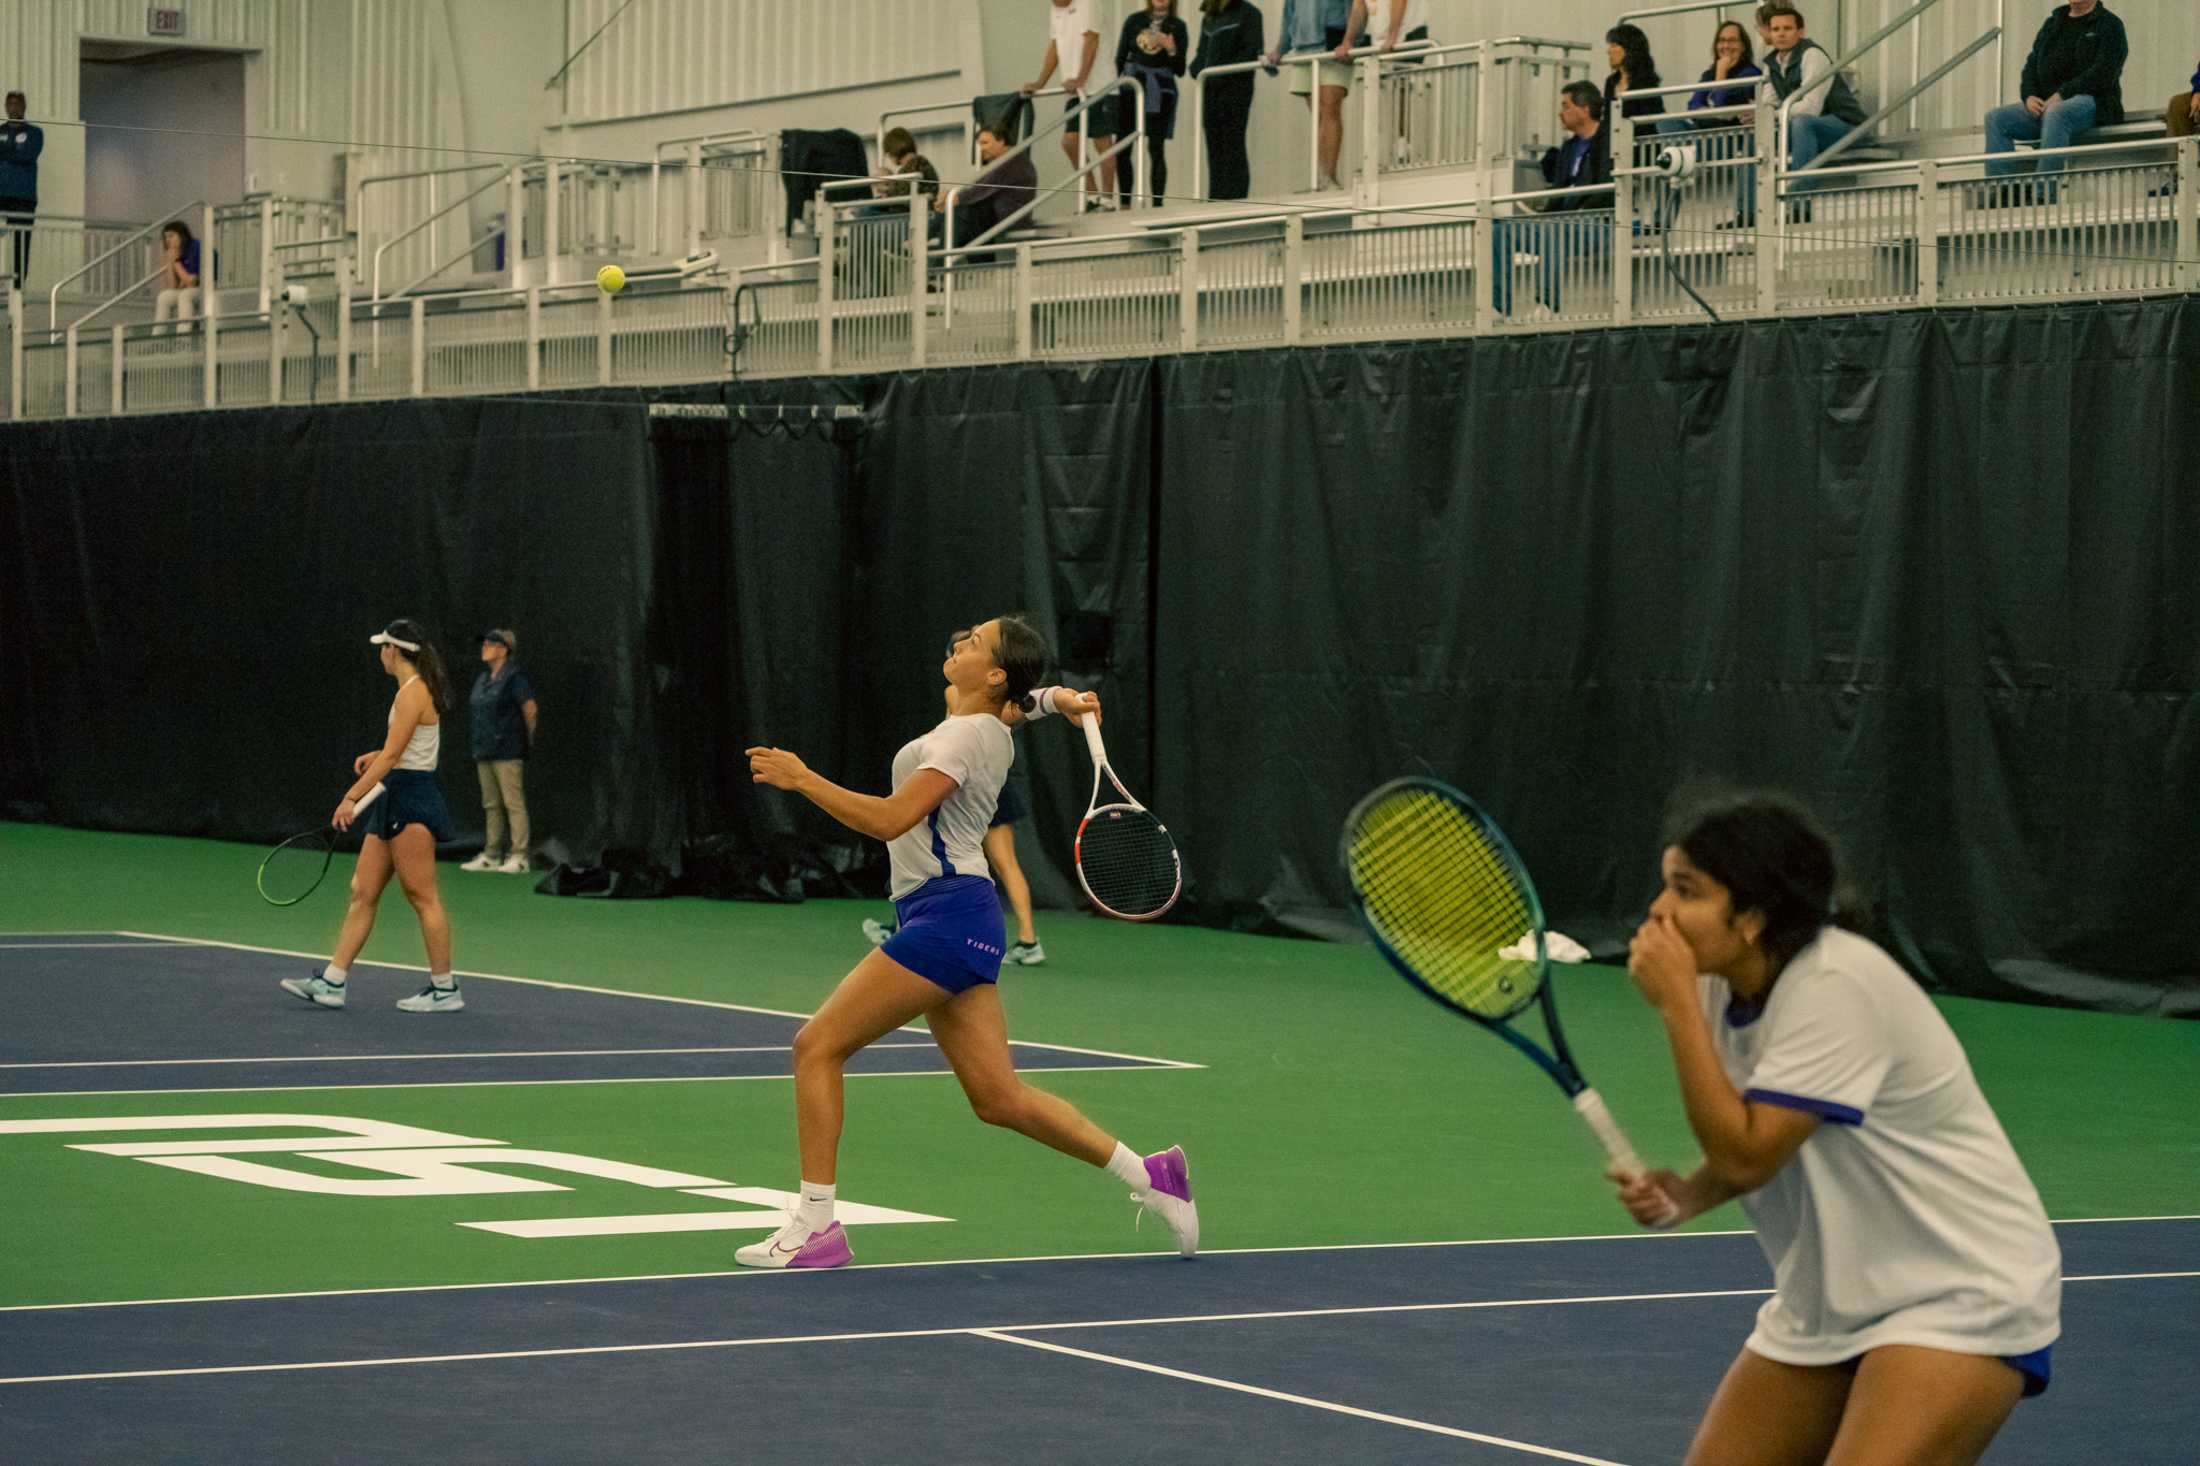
(2073, 82)
(1230, 32)
(503, 716)
(1073, 45)
(1152, 50)
(1824, 110)
(1731, 61)
(20, 144)
(1584, 160)
(1005, 186)
(1309, 28)
(178, 279)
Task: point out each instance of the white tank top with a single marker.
(426, 743)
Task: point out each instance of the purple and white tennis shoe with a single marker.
(1169, 1197)
(795, 1245)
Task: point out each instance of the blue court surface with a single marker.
(192, 1016)
(1591, 1349)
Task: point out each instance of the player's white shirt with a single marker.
(975, 750)
(1906, 1218)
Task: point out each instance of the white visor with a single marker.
(383, 638)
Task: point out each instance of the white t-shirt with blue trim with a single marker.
(976, 751)
(1906, 1218)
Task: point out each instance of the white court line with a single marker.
(80, 946)
(29, 1094)
(878, 1267)
(377, 1058)
(1332, 1406)
(577, 987)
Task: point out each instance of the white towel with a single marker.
(1559, 946)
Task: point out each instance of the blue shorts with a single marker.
(409, 797)
(950, 932)
(2036, 1367)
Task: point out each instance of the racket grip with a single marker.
(1093, 742)
(1590, 1106)
(366, 799)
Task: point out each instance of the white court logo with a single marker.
(411, 1161)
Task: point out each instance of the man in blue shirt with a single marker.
(20, 145)
(1583, 160)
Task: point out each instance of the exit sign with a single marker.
(164, 20)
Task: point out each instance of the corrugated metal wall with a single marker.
(670, 55)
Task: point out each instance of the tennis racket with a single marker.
(1441, 891)
(290, 872)
(1126, 858)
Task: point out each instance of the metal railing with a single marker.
(726, 185)
(60, 244)
(248, 234)
(146, 241)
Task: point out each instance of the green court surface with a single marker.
(1334, 1105)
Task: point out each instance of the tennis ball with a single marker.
(611, 279)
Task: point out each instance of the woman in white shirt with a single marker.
(1917, 1281)
(944, 958)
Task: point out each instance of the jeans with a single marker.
(1574, 240)
(2059, 128)
(1807, 138)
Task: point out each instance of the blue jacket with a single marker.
(1728, 96)
(20, 145)
(1307, 24)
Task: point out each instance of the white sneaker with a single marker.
(1027, 954)
(514, 866)
(483, 861)
(875, 931)
(795, 1245)
(316, 989)
(1169, 1197)
(432, 999)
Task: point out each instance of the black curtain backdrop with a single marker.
(1932, 572)
(185, 603)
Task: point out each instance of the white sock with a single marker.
(442, 981)
(816, 1211)
(334, 976)
(1125, 1166)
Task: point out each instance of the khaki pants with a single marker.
(2179, 117)
(501, 796)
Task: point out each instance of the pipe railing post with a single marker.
(267, 251)
(1767, 207)
(697, 195)
(1023, 302)
(1928, 233)
(68, 372)
(114, 371)
(209, 313)
(827, 249)
(343, 329)
(15, 352)
(277, 331)
(920, 275)
(603, 338)
(534, 337)
(2188, 217)
(418, 318)
(515, 225)
(1371, 111)
(552, 243)
(1187, 268)
(1294, 270)
(1622, 252)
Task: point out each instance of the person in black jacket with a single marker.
(1152, 50)
(1583, 160)
(1230, 32)
(2073, 82)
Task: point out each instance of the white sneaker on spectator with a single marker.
(483, 861)
(515, 865)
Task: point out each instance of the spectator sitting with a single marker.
(20, 144)
(1006, 186)
(1824, 110)
(902, 158)
(1308, 29)
(1627, 51)
(1152, 50)
(1731, 61)
(503, 714)
(179, 274)
(2073, 82)
(1584, 160)
(2183, 118)
(1073, 44)
(1230, 32)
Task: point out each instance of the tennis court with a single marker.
(241, 1228)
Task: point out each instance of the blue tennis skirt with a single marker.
(409, 797)
(950, 932)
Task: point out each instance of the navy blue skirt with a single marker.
(409, 797)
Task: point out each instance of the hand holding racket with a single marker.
(292, 870)
(1442, 892)
(1126, 858)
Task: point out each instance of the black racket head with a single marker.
(1441, 891)
(1127, 862)
(290, 872)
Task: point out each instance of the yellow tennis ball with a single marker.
(611, 279)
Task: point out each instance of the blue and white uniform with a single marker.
(949, 927)
(411, 795)
(1906, 1218)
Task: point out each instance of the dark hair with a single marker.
(1585, 94)
(897, 142)
(1214, 7)
(427, 659)
(1023, 656)
(1772, 856)
(1749, 52)
(1635, 58)
(185, 230)
(1767, 14)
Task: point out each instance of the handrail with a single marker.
(315, 243)
(488, 233)
(53, 296)
(737, 134)
(1786, 110)
(1026, 146)
(1627, 16)
(133, 288)
(656, 177)
(375, 292)
(1932, 78)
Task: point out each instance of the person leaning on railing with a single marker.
(20, 144)
(2073, 83)
(1230, 34)
(1584, 160)
(1152, 51)
(1073, 44)
(1309, 28)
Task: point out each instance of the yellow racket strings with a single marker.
(1437, 888)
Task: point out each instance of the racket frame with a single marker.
(1098, 748)
(327, 836)
(1558, 1060)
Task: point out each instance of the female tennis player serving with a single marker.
(944, 957)
(402, 827)
(1918, 1286)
